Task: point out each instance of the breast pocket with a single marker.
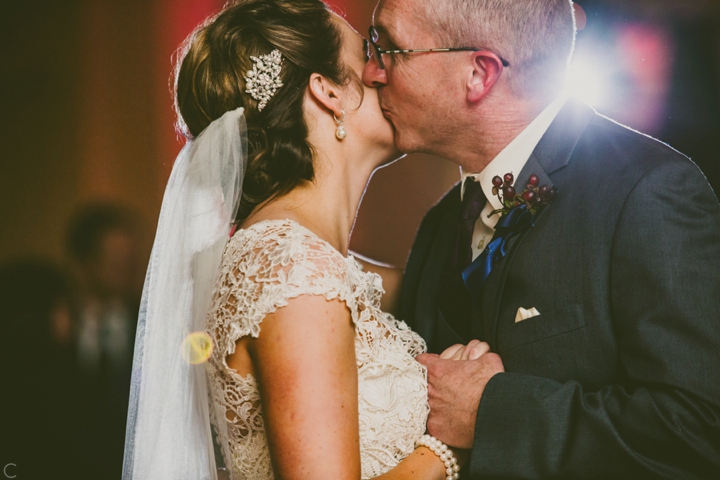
(546, 325)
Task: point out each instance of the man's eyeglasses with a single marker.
(374, 36)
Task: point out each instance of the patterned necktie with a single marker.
(472, 204)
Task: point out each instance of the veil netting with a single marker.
(168, 430)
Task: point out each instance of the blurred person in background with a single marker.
(102, 248)
(102, 244)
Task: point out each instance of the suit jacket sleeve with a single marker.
(418, 257)
(662, 419)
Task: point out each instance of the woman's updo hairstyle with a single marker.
(209, 81)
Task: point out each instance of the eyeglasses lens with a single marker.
(374, 36)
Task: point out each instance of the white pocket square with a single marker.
(523, 314)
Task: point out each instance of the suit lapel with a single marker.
(552, 153)
(492, 290)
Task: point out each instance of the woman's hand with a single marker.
(472, 351)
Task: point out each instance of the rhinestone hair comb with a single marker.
(264, 79)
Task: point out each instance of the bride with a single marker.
(275, 336)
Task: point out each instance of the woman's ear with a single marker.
(486, 70)
(326, 93)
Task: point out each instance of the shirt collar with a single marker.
(513, 158)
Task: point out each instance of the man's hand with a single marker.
(455, 388)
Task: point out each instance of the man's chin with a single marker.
(403, 142)
(402, 145)
(396, 153)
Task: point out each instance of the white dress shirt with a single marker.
(511, 160)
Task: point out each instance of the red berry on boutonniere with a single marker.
(534, 181)
(534, 197)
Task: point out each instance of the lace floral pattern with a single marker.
(263, 267)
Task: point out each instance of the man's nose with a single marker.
(373, 75)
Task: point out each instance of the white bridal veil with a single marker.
(168, 429)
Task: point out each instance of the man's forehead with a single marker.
(396, 17)
(393, 10)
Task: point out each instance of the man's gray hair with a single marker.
(537, 37)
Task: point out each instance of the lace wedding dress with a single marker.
(263, 267)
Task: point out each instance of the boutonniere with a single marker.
(516, 216)
(533, 198)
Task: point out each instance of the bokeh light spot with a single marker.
(197, 348)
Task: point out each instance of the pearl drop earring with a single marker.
(340, 133)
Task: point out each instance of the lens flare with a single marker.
(197, 348)
(587, 81)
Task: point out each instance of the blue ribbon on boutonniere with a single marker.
(515, 222)
(517, 216)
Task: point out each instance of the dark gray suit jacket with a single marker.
(619, 377)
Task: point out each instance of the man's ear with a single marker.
(487, 68)
(326, 93)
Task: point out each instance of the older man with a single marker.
(603, 313)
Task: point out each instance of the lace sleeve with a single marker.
(263, 269)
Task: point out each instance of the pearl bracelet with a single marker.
(446, 455)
